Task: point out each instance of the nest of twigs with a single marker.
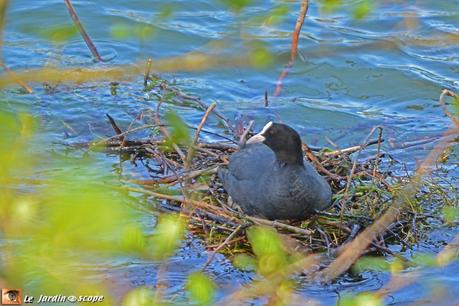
(186, 181)
(183, 179)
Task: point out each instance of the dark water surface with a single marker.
(351, 75)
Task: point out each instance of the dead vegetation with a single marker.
(365, 188)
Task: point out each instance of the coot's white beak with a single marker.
(256, 139)
(260, 136)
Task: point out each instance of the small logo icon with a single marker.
(11, 296)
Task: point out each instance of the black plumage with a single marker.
(268, 177)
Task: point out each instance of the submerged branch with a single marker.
(82, 31)
(16, 78)
(294, 47)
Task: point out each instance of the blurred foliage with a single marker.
(371, 263)
(201, 288)
(260, 56)
(425, 260)
(267, 247)
(236, 5)
(363, 9)
(124, 31)
(16, 131)
(144, 31)
(166, 11)
(168, 235)
(71, 218)
(244, 262)
(451, 214)
(272, 17)
(362, 299)
(60, 33)
(381, 264)
(455, 105)
(359, 9)
(141, 296)
(178, 131)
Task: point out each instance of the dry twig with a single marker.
(83, 33)
(212, 255)
(190, 152)
(294, 48)
(16, 78)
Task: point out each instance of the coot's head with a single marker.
(283, 140)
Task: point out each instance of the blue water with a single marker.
(387, 69)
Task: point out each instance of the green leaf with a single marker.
(60, 33)
(361, 299)
(363, 9)
(244, 262)
(179, 132)
(427, 260)
(330, 5)
(168, 235)
(144, 32)
(451, 214)
(260, 56)
(371, 263)
(121, 31)
(268, 248)
(236, 5)
(133, 239)
(140, 297)
(166, 11)
(277, 14)
(201, 288)
(456, 105)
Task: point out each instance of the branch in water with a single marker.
(83, 33)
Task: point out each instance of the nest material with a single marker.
(362, 192)
(183, 179)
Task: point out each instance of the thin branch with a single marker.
(444, 93)
(207, 207)
(190, 152)
(115, 127)
(138, 117)
(294, 47)
(147, 72)
(212, 255)
(280, 225)
(243, 138)
(83, 33)
(16, 78)
(378, 153)
(106, 141)
(352, 149)
(318, 164)
(354, 166)
(173, 178)
(298, 26)
(3, 8)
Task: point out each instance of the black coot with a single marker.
(268, 177)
